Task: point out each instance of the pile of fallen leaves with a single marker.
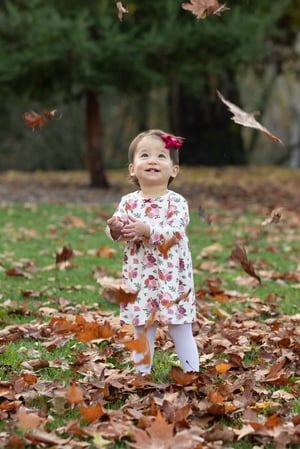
(248, 382)
(247, 390)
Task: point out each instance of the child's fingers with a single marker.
(132, 219)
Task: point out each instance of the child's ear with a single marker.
(175, 171)
(131, 169)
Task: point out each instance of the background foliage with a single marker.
(160, 66)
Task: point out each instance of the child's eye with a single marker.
(162, 155)
(144, 155)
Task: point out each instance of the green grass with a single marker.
(30, 236)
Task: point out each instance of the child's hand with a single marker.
(115, 226)
(135, 229)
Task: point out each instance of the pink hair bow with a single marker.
(171, 141)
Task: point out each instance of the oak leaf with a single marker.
(247, 119)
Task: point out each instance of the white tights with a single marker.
(184, 342)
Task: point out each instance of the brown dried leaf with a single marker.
(182, 297)
(203, 8)
(90, 414)
(276, 368)
(118, 295)
(18, 273)
(140, 345)
(222, 367)
(273, 217)
(74, 394)
(29, 421)
(158, 435)
(203, 215)
(182, 378)
(121, 10)
(247, 119)
(105, 251)
(33, 119)
(64, 255)
(165, 245)
(239, 255)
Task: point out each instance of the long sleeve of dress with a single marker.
(177, 220)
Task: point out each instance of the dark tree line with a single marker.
(81, 50)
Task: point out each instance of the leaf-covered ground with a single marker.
(67, 379)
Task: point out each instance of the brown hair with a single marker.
(174, 153)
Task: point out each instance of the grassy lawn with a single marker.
(62, 384)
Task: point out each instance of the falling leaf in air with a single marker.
(203, 215)
(183, 297)
(164, 246)
(273, 217)
(246, 119)
(239, 255)
(141, 344)
(118, 295)
(204, 8)
(121, 10)
(33, 119)
(64, 255)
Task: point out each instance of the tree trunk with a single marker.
(93, 136)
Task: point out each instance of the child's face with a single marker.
(152, 164)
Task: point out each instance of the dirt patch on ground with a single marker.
(222, 187)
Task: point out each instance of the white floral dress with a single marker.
(163, 279)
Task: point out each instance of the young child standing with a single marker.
(157, 260)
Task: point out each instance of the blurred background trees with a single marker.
(158, 67)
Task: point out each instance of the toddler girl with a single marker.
(157, 260)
